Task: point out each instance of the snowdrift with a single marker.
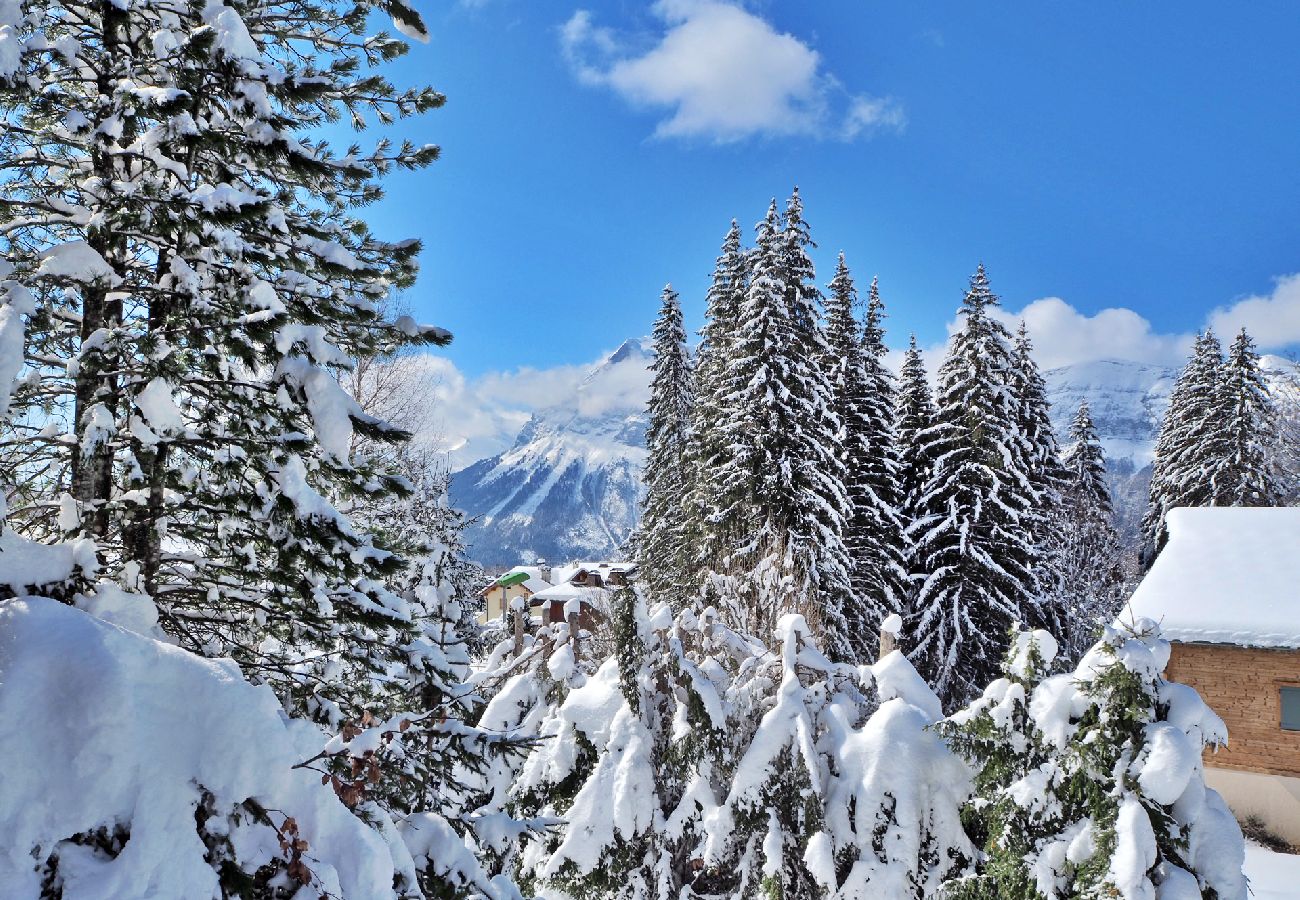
(129, 767)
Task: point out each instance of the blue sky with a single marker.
(1138, 157)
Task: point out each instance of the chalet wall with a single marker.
(1241, 685)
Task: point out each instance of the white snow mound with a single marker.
(106, 728)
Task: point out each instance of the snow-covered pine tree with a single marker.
(1138, 819)
(663, 540)
(864, 399)
(845, 370)
(973, 563)
(916, 416)
(895, 790)
(711, 447)
(646, 728)
(1012, 811)
(782, 484)
(1042, 463)
(196, 282)
(768, 835)
(1242, 471)
(886, 556)
(1180, 473)
(199, 279)
(1089, 549)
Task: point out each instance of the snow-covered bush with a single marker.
(135, 769)
(699, 760)
(1090, 783)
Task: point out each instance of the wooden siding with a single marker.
(1242, 685)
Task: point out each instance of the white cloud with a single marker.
(1063, 336)
(1273, 321)
(724, 74)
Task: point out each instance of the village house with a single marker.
(1226, 591)
(521, 581)
(548, 589)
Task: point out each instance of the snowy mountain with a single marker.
(1127, 400)
(570, 486)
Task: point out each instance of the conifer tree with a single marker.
(1242, 471)
(1010, 814)
(1140, 820)
(197, 282)
(195, 260)
(1042, 464)
(864, 399)
(663, 542)
(1090, 783)
(782, 485)
(711, 448)
(1186, 444)
(887, 549)
(846, 371)
(768, 834)
(974, 559)
(916, 416)
(1089, 547)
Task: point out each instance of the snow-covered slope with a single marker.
(570, 487)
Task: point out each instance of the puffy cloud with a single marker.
(724, 74)
(1063, 336)
(1273, 321)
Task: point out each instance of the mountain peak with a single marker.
(632, 348)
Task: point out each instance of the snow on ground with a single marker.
(1227, 576)
(1273, 876)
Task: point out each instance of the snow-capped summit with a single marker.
(570, 487)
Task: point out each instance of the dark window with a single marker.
(1291, 708)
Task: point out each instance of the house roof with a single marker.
(1229, 575)
(570, 592)
(563, 574)
(532, 579)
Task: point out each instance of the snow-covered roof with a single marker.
(563, 574)
(1228, 575)
(534, 583)
(568, 592)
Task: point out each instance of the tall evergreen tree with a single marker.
(1186, 444)
(1088, 545)
(785, 483)
(864, 399)
(886, 557)
(1045, 478)
(197, 281)
(662, 543)
(916, 416)
(1242, 471)
(711, 448)
(974, 558)
(778, 489)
